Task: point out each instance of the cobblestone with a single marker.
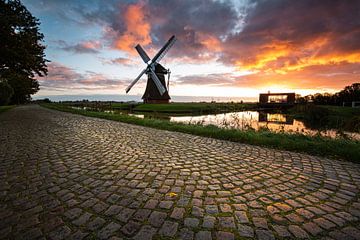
(312, 228)
(203, 235)
(65, 176)
(145, 233)
(108, 230)
(225, 236)
(169, 229)
(157, 218)
(186, 234)
(209, 222)
(298, 232)
(191, 222)
(178, 213)
(227, 222)
(96, 223)
(245, 231)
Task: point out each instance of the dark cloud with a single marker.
(63, 77)
(258, 34)
(281, 41)
(283, 33)
(91, 47)
(199, 26)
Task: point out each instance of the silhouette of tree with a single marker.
(21, 51)
(347, 95)
(23, 87)
(350, 93)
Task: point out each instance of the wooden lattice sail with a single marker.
(156, 89)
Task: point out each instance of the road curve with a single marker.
(65, 176)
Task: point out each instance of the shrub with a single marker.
(6, 92)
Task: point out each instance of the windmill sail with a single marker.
(156, 88)
(135, 81)
(164, 50)
(142, 53)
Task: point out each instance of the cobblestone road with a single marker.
(65, 176)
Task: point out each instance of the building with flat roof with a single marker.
(276, 99)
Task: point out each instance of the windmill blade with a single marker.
(157, 82)
(135, 81)
(142, 53)
(164, 50)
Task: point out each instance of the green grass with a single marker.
(174, 108)
(321, 146)
(123, 106)
(192, 107)
(342, 111)
(5, 108)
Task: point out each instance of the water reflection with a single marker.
(275, 118)
(276, 122)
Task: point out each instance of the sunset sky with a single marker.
(224, 48)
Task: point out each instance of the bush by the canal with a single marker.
(328, 117)
(316, 145)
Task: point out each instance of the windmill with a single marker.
(157, 91)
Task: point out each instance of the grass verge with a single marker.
(5, 108)
(170, 108)
(193, 107)
(320, 146)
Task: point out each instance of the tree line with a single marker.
(22, 54)
(344, 97)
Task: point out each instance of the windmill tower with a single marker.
(157, 90)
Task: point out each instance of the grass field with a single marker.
(5, 108)
(192, 107)
(321, 146)
(175, 108)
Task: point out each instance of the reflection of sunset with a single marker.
(276, 117)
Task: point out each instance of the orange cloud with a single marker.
(314, 34)
(282, 58)
(91, 44)
(212, 43)
(137, 29)
(330, 77)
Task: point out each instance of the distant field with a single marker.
(192, 107)
(175, 108)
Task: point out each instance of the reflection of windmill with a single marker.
(156, 88)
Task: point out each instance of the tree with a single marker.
(6, 92)
(350, 93)
(21, 51)
(23, 86)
